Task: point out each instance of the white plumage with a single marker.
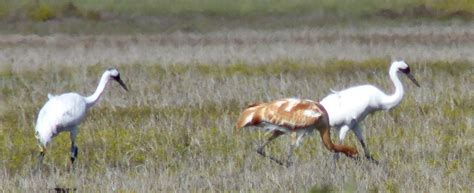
(348, 107)
(66, 111)
(60, 113)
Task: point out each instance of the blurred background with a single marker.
(154, 16)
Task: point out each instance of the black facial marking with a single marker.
(116, 77)
(406, 70)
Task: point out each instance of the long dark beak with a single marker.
(121, 82)
(412, 79)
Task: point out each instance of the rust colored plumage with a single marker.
(295, 116)
(290, 113)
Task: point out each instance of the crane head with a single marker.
(405, 69)
(115, 75)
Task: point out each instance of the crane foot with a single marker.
(262, 153)
(371, 159)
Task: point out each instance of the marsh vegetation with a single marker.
(174, 130)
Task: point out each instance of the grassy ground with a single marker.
(174, 130)
(229, 8)
(192, 66)
(418, 43)
(151, 16)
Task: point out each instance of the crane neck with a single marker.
(92, 99)
(326, 138)
(394, 99)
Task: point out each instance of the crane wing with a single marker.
(289, 113)
(64, 111)
(292, 113)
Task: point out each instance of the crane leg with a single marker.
(41, 155)
(360, 137)
(74, 149)
(294, 143)
(42, 150)
(261, 149)
(289, 161)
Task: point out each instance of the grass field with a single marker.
(174, 130)
(47, 17)
(192, 66)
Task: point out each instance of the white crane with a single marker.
(66, 111)
(291, 116)
(348, 107)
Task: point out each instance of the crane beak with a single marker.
(120, 82)
(413, 79)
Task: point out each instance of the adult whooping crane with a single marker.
(347, 108)
(66, 111)
(292, 116)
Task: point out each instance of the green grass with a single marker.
(245, 7)
(174, 130)
(125, 16)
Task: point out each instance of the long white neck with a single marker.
(393, 100)
(91, 100)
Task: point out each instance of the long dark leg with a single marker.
(289, 161)
(74, 149)
(295, 140)
(360, 137)
(41, 156)
(292, 147)
(42, 151)
(261, 149)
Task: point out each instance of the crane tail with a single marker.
(253, 104)
(247, 117)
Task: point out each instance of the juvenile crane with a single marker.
(292, 116)
(66, 111)
(347, 108)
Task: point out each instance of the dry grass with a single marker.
(430, 42)
(174, 130)
(48, 17)
(39, 9)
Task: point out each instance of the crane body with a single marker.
(347, 108)
(64, 113)
(60, 113)
(296, 117)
